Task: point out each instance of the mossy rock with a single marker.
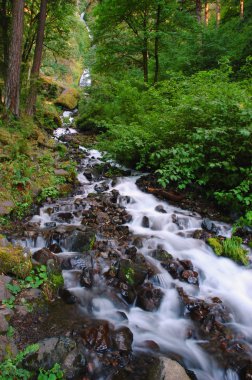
(13, 260)
(49, 87)
(68, 99)
(216, 245)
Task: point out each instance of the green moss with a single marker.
(68, 99)
(231, 248)
(216, 245)
(14, 261)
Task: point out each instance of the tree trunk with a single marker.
(206, 12)
(242, 9)
(12, 89)
(31, 102)
(198, 10)
(218, 15)
(145, 49)
(5, 23)
(157, 44)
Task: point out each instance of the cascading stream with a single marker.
(167, 327)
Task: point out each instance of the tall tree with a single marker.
(242, 9)
(218, 15)
(12, 88)
(198, 10)
(4, 24)
(156, 53)
(37, 58)
(206, 12)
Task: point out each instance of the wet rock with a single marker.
(127, 292)
(246, 373)
(160, 208)
(79, 241)
(145, 222)
(67, 296)
(55, 248)
(123, 339)
(212, 324)
(150, 345)
(43, 255)
(131, 252)
(161, 255)
(63, 217)
(209, 226)
(131, 273)
(101, 187)
(138, 242)
(115, 195)
(201, 235)
(88, 174)
(182, 270)
(86, 278)
(4, 292)
(50, 224)
(148, 297)
(98, 336)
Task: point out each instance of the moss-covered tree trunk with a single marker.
(31, 101)
(12, 88)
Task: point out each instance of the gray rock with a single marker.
(172, 370)
(7, 348)
(6, 207)
(4, 325)
(4, 293)
(61, 172)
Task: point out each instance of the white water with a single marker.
(218, 277)
(85, 80)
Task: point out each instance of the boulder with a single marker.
(172, 370)
(210, 226)
(4, 292)
(43, 255)
(148, 297)
(131, 273)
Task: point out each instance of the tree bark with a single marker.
(198, 10)
(206, 12)
(12, 88)
(31, 101)
(145, 49)
(156, 53)
(218, 15)
(5, 24)
(242, 9)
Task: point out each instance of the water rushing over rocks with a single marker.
(135, 278)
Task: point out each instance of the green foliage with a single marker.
(54, 373)
(231, 248)
(37, 278)
(194, 131)
(10, 369)
(48, 192)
